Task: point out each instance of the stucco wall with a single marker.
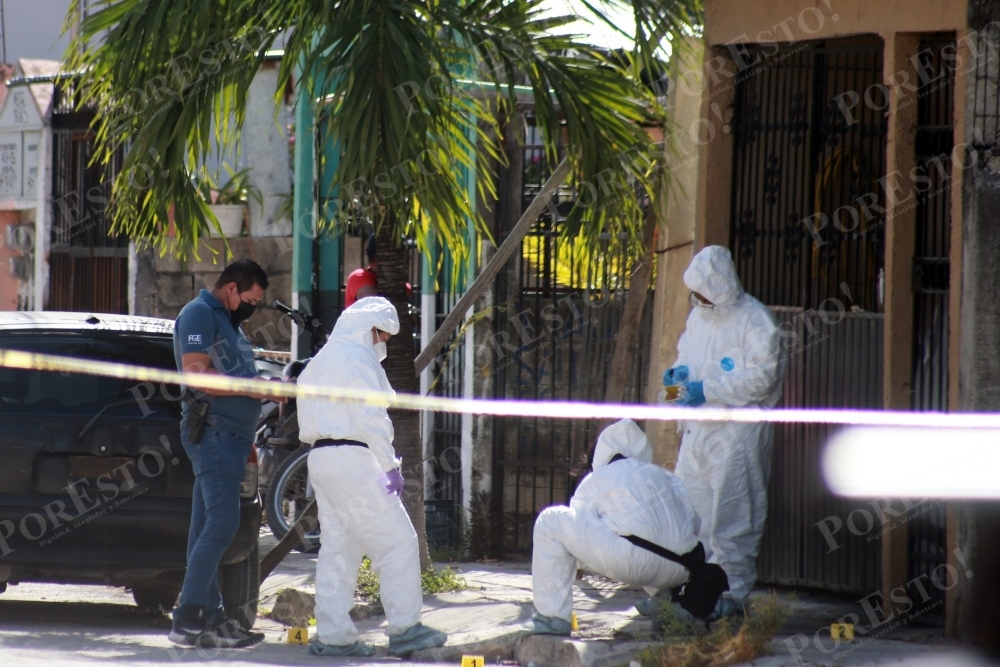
(177, 282)
(794, 20)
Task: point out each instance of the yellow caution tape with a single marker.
(500, 408)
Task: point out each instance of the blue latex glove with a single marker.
(694, 395)
(394, 482)
(675, 375)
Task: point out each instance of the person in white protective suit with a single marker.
(355, 474)
(729, 355)
(625, 497)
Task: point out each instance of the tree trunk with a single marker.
(398, 366)
(635, 303)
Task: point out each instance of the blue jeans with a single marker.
(219, 462)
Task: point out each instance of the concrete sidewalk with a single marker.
(485, 619)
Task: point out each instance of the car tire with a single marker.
(288, 482)
(156, 597)
(240, 587)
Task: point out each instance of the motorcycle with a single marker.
(284, 477)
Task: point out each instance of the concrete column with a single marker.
(716, 141)
(675, 234)
(974, 615)
(264, 143)
(955, 304)
(900, 237)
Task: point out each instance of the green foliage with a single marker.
(367, 588)
(171, 78)
(432, 581)
(444, 581)
(237, 190)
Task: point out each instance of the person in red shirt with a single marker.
(363, 282)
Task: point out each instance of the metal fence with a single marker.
(808, 221)
(927, 535)
(808, 231)
(88, 264)
(834, 362)
(558, 314)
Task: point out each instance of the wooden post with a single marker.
(900, 239)
(305, 524)
(506, 250)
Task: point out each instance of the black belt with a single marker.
(330, 442)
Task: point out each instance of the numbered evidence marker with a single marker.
(473, 661)
(298, 635)
(842, 631)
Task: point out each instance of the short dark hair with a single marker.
(372, 249)
(245, 273)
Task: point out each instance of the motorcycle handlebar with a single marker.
(306, 322)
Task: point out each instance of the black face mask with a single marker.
(242, 312)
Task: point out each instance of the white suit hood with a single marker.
(357, 320)
(348, 360)
(712, 274)
(625, 438)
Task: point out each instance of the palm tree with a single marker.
(171, 77)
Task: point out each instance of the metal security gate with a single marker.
(88, 265)
(557, 317)
(834, 360)
(927, 535)
(808, 240)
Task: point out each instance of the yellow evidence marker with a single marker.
(473, 661)
(842, 631)
(298, 635)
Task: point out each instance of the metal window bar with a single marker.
(805, 244)
(985, 47)
(557, 317)
(926, 531)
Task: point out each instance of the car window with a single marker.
(45, 392)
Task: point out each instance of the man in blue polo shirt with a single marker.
(208, 339)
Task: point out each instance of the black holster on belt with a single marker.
(197, 415)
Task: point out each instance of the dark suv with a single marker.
(95, 486)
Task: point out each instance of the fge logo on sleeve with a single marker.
(194, 338)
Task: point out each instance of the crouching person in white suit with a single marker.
(630, 521)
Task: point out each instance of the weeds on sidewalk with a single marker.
(443, 581)
(721, 646)
(432, 581)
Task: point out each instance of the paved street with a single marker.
(44, 624)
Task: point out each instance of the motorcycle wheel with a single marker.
(288, 496)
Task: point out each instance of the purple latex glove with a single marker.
(394, 482)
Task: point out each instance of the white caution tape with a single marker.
(499, 408)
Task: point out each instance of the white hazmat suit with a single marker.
(732, 347)
(357, 516)
(628, 497)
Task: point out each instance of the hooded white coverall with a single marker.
(356, 514)
(733, 348)
(628, 497)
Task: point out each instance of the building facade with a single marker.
(841, 150)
